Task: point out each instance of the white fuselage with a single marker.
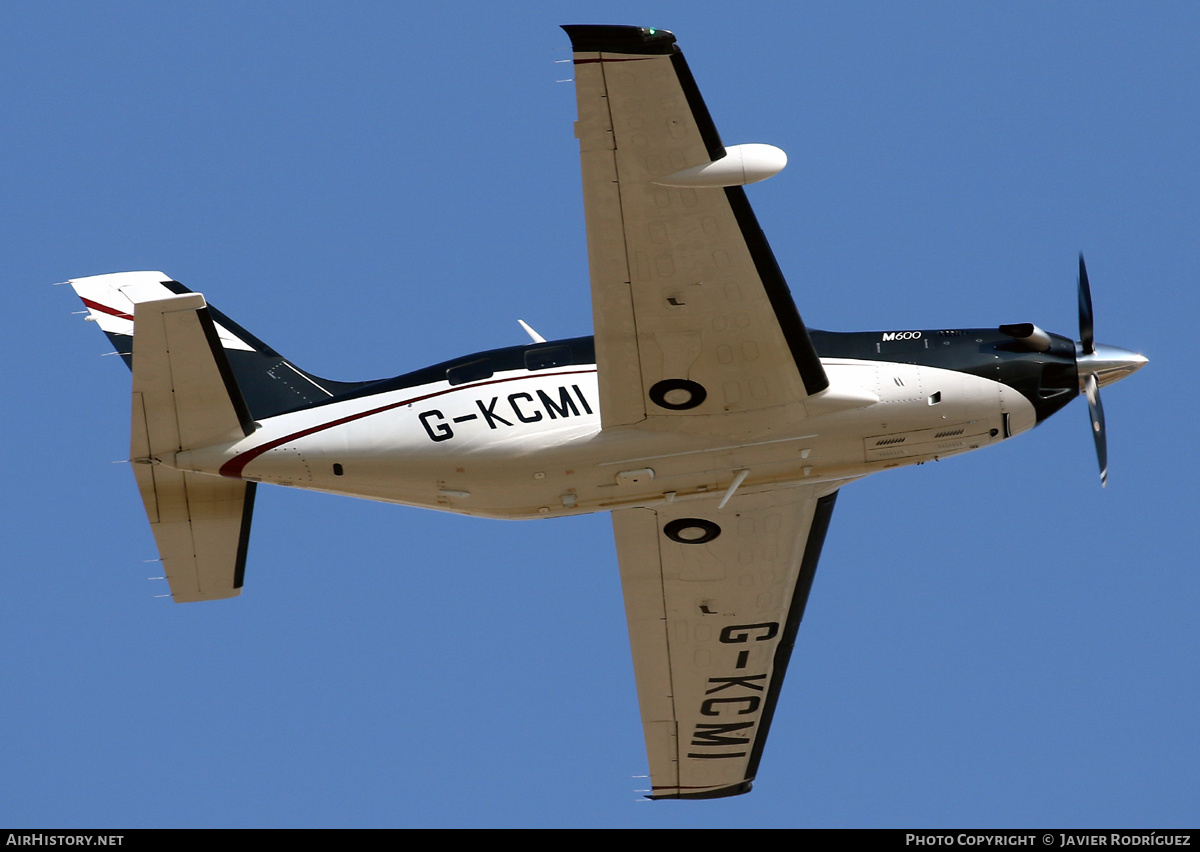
(524, 444)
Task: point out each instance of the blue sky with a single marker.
(372, 187)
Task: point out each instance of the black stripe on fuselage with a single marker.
(1047, 379)
(582, 352)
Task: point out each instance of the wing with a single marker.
(714, 598)
(692, 315)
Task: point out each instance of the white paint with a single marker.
(388, 453)
(742, 164)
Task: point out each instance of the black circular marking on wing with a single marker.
(691, 531)
(677, 394)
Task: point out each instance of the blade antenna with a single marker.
(537, 338)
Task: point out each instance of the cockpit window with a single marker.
(545, 357)
(472, 371)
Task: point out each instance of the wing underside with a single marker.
(696, 331)
(714, 598)
(692, 316)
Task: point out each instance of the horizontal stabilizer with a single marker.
(201, 525)
(184, 398)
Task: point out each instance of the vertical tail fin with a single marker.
(270, 384)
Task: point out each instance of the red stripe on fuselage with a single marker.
(234, 467)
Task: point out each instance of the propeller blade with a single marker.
(1086, 335)
(1096, 413)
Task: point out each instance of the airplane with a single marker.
(712, 423)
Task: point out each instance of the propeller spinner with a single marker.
(1098, 365)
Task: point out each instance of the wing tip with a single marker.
(738, 789)
(205, 595)
(612, 38)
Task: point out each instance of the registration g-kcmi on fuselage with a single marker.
(703, 414)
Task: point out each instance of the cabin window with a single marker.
(472, 371)
(545, 357)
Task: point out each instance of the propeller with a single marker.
(1091, 386)
(1096, 413)
(1086, 336)
(1096, 366)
